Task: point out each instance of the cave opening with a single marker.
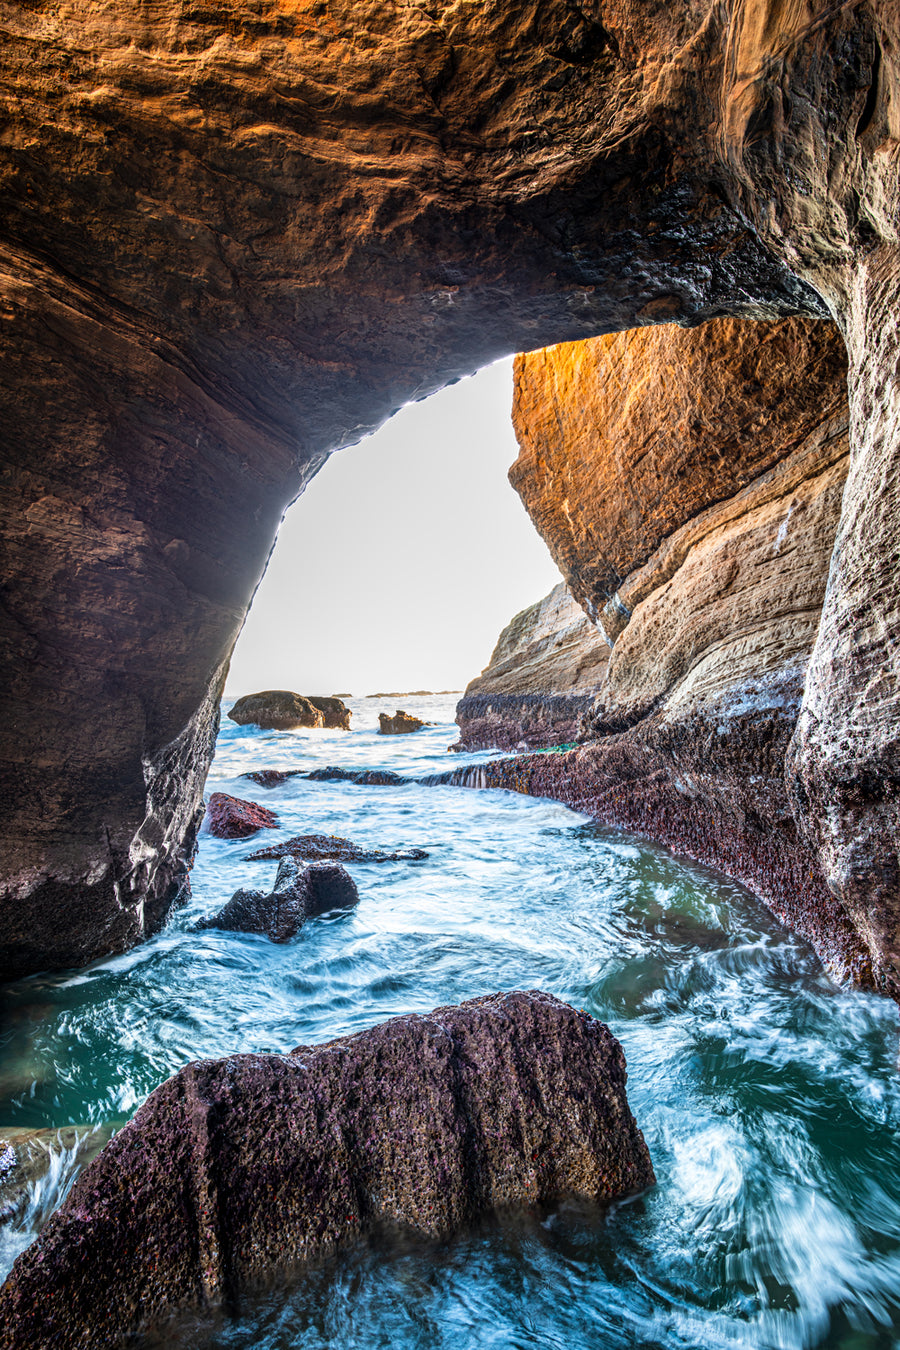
(404, 557)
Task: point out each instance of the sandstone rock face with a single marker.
(299, 894)
(233, 818)
(708, 570)
(547, 665)
(234, 240)
(401, 724)
(239, 1168)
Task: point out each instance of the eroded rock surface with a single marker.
(233, 818)
(238, 1169)
(542, 676)
(232, 240)
(365, 777)
(299, 894)
(310, 847)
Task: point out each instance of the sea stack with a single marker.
(547, 666)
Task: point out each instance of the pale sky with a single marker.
(403, 559)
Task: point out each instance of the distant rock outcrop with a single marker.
(233, 818)
(236, 1169)
(283, 710)
(299, 894)
(547, 665)
(400, 724)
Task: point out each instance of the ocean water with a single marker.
(769, 1098)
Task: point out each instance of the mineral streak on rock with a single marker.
(233, 818)
(401, 724)
(234, 239)
(306, 847)
(238, 1169)
(298, 894)
(545, 669)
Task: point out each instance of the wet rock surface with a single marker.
(233, 818)
(299, 894)
(239, 1169)
(36, 1164)
(547, 665)
(310, 847)
(400, 724)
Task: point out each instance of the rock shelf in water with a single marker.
(299, 894)
(365, 777)
(401, 724)
(321, 847)
(236, 1169)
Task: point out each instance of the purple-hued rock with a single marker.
(299, 894)
(319, 847)
(236, 1169)
(233, 818)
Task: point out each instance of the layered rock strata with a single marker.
(237, 1169)
(233, 240)
(689, 485)
(542, 676)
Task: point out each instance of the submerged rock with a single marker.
(298, 895)
(367, 777)
(236, 1169)
(276, 710)
(270, 778)
(400, 724)
(306, 847)
(233, 818)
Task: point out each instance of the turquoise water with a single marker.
(769, 1098)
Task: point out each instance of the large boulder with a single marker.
(236, 1169)
(298, 894)
(335, 713)
(233, 818)
(276, 710)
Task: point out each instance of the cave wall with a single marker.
(235, 240)
(689, 483)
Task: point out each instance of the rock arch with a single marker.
(235, 240)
